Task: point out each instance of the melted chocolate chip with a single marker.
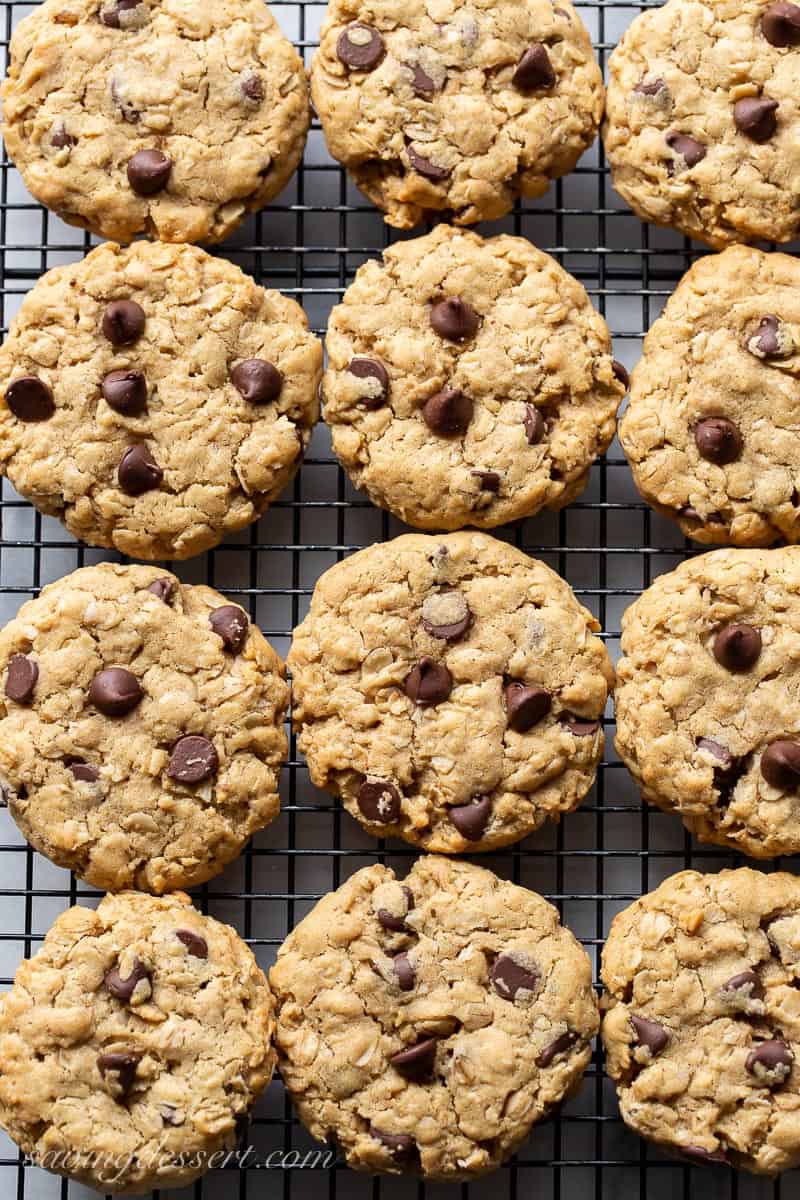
(509, 976)
(163, 588)
(747, 983)
(417, 1062)
(404, 970)
(21, 679)
(122, 1068)
(448, 412)
(149, 172)
(650, 87)
(122, 987)
(360, 47)
(371, 368)
(232, 624)
(60, 139)
(392, 923)
(402, 1148)
(650, 1034)
(110, 13)
(579, 726)
(705, 1157)
(771, 1062)
(780, 25)
(447, 615)
(780, 765)
(257, 381)
(123, 322)
(620, 373)
(534, 70)
(194, 943)
(719, 752)
(534, 423)
(688, 148)
(138, 472)
(454, 319)
(737, 647)
(489, 481)
(526, 706)
(115, 691)
(426, 168)
(193, 760)
(471, 819)
(428, 683)
(423, 85)
(718, 440)
(770, 339)
(754, 116)
(379, 801)
(252, 88)
(82, 771)
(30, 399)
(556, 1048)
(125, 392)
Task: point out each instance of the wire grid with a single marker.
(609, 546)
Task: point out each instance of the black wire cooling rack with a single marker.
(609, 546)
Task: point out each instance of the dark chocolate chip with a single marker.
(232, 624)
(526, 706)
(370, 368)
(754, 116)
(471, 819)
(489, 481)
(706, 1157)
(510, 977)
(426, 168)
(579, 726)
(650, 1034)
(620, 373)
(193, 759)
(422, 83)
(109, 13)
(780, 765)
(257, 381)
(737, 647)
(534, 70)
(115, 691)
(402, 1148)
(60, 138)
(379, 801)
(535, 426)
(690, 150)
(428, 683)
(546, 1056)
(122, 986)
(149, 172)
(123, 322)
(454, 319)
(417, 1062)
(252, 88)
(360, 47)
(390, 921)
(138, 472)
(404, 970)
(747, 982)
(448, 412)
(125, 392)
(650, 87)
(122, 1066)
(768, 340)
(718, 440)
(447, 615)
(30, 399)
(82, 771)
(163, 588)
(194, 943)
(772, 1058)
(780, 25)
(21, 679)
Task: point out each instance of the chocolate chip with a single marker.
(510, 976)
(780, 25)
(650, 87)
(123, 322)
(426, 168)
(446, 615)
(392, 923)
(489, 481)
(780, 765)
(125, 392)
(115, 691)
(21, 679)
(257, 381)
(718, 440)
(252, 88)
(534, 422)
(193, 760)
(719, 752)
(232, 624)
(620, 373)
(526, 706)
(729, 771)
(370, 368)
(546, 1056)
(579, 726)
(128, 112)
(691, 151)
(30, 399)
(747, 983)
(706, 1157)
(448, 412)
(770, 339)
(138, 471)
(402, 1148)
(163, 588)
(60, 139)
(122, 986)
(360, 47)
(122, 1066)
(82, 771)
(428, 683)
(471, 819)
(650, 1034)
(404, 970)
(149, 172)
(171, 1115)
(771, 1062)
(534, 70)
(417, 1062)
(379, 801)
(454, 319)
(109, 13)
(423, 85)
(194, 943)
(737, 647)
(754, 116)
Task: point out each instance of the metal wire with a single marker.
(609, 546)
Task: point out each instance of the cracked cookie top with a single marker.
(141, 727)
(469, 381)
(450, 691)
(711, 427)
(455, 105)
(702, 1017)
(134, 1043)
(427, 1023)
(155, 398)
(157, 116)
(708, 697)
(702, 119)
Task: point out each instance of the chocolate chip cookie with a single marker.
(702, 1018)
(141, 727)
(154, 116)
(450, 691)
(456, 108)
(469, 381)
(708, 697)
(702, 119)
(711, 429)
(427, 1023)
(133, 1043)
(155, 398)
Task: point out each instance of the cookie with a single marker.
(141, 727)
(708, 697)
(455, 108)
(450, 691)
(156, 116)
(702, 126)
(711, 430)
(702, 1017)
(469, 381)
(133, 1044)
(426, 1024)
(155, 398)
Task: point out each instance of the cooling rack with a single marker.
(609, 546)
